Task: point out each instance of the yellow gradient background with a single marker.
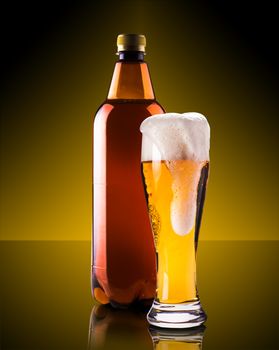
(197, 64)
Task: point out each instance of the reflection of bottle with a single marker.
(118, 329)
(177, 339)
(123, 264)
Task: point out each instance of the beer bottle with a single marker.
(123, 254)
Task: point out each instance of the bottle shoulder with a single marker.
(112, 108)
(104, 108)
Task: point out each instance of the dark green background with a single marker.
(215, 58)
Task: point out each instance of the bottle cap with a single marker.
(131, 42)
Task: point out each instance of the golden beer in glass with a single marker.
(175, 166)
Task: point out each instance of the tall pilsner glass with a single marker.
(175, 165)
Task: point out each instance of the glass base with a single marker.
(183, 315)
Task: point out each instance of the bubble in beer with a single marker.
(155, 222)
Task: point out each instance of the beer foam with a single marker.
(174, 136)
(170, 137)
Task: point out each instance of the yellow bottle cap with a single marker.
(131, 42)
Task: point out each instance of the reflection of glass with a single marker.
(118, 329)
(166, 339)
(175, 165)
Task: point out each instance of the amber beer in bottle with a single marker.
(123, 254)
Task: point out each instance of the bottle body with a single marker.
(123, 264)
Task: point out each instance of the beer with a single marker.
(176, 244)
(175, 165)
(123, 255)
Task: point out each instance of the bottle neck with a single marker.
(131, 79)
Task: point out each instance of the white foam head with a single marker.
(174, 136)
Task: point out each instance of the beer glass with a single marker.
(175, 165)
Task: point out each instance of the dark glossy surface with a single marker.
(46, 301)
